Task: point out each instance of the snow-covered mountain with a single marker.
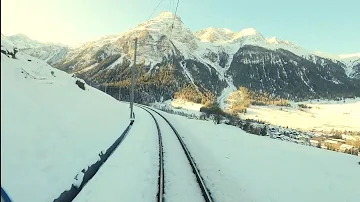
(53, 131)
(22, 41)
(215, 59)
(352, 62)
(49, 52)
(215, 35)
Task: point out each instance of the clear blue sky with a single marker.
(331, 26)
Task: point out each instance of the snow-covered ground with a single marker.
(131, 173)
(178, 175)
(180, 106)
(50, 128)
(237, 166)
(180, 103)
(324, 115)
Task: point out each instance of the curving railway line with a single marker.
(176, 167)
(161, 180)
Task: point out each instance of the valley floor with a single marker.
(323, 115)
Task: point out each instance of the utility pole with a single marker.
(133, 75)
(119, 93)
(133, 82)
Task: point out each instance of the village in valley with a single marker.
(340, 141)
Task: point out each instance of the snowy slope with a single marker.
(349, 61)
(242, 167)
(49, 52)
(50, 128)
(131, 172)
(215, 37)
(6, 44)
(248, 36)
(212, 34)
(22, 41)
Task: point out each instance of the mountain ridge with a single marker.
(168, 18)
(214, 59)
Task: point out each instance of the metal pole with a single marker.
(119, 93)
(133, 82)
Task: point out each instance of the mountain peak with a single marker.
(168, 15)
(249, 31)
(22, 36)
(277, 41)
(23, 41)
(213, 34)
(228, 31)
(222, 35)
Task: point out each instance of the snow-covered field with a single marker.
(324, 115)
(242, 167)
(50, 128)
(179, 105)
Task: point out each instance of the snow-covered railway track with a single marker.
(160, 194)
(204, 190)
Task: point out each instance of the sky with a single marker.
(329, 26)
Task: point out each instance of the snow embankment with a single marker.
(50, 128)
(131, 173)
(237, 166)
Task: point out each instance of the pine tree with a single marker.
(263, 131)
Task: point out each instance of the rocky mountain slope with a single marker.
(49, 52)
(214, 60)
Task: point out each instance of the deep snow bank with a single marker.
(50, 128)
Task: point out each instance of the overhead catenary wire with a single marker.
(155, 9)
(156, 43)
(170, 7)
(172, 25)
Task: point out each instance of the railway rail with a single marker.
(160, 196)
